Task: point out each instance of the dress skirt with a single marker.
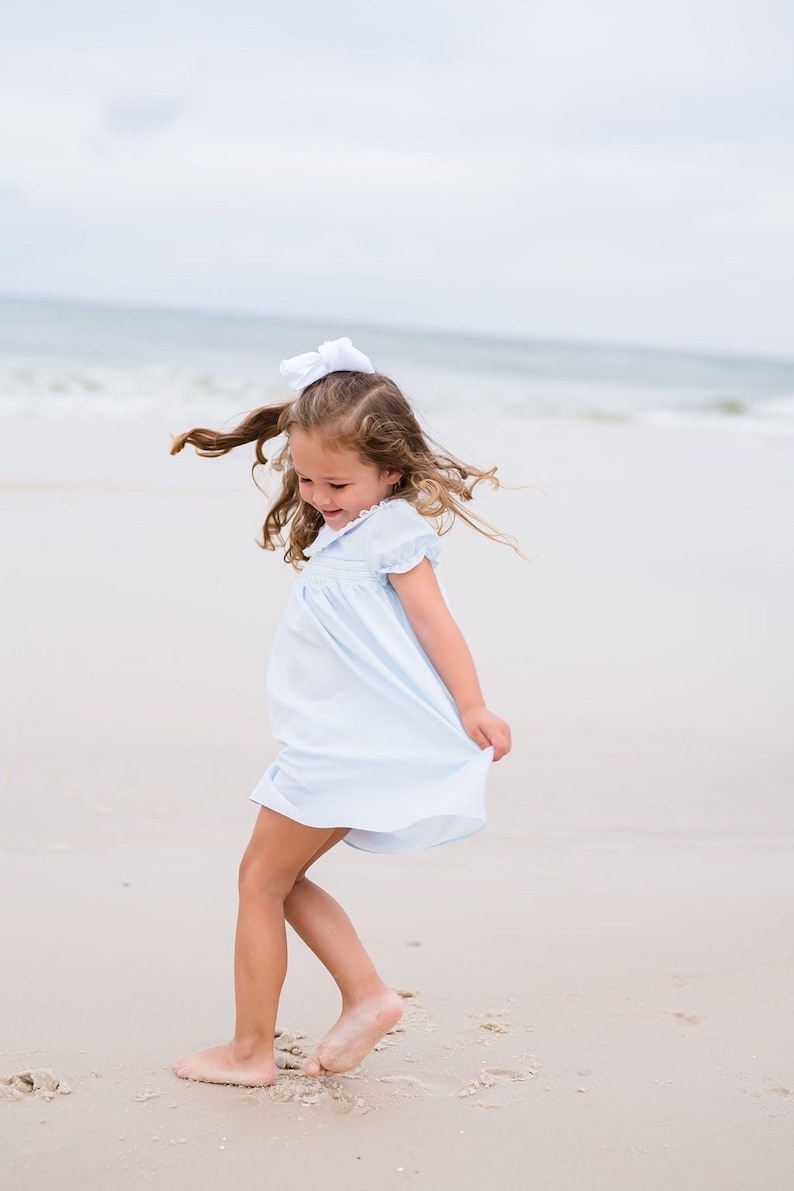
(370, 737)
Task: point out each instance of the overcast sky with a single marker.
(605, 170)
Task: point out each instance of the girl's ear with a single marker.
(391, 476)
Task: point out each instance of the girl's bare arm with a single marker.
(445, 645)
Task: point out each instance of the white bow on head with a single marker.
(335, 355)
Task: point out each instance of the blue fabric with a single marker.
(371, 738)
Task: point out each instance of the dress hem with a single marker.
(469, 825)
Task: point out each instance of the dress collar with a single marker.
(327, 535)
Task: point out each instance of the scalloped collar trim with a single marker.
(327, 535)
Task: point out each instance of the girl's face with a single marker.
(336, 480)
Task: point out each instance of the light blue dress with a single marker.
(371, 738)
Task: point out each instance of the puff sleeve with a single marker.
(399, 539)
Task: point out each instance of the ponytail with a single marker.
(259, 426)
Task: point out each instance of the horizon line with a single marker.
(427, 332)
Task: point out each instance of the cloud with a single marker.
(620, 171)
(140, 116)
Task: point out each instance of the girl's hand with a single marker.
(486, 729)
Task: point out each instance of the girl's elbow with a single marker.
(431, 624)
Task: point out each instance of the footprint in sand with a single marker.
(310, 1091)
(39, 1082)
(496, 1077)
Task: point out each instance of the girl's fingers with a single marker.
(487, 730)
(498, 740)
(501, 742)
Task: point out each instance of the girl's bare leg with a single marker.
(279, 850)
(369, 1008)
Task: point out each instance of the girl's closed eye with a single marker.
(307, 480)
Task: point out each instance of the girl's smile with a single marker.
(336, 480)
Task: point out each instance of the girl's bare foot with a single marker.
(355, 1034)
(228, 1064)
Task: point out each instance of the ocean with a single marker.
(79, 361)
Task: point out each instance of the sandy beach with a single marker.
(597, 988)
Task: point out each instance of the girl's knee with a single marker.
(255, 877)
(259, 877)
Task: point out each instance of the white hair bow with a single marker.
(335, 355)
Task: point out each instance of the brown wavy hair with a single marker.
(365, 413)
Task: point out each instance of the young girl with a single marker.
(386, 739)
